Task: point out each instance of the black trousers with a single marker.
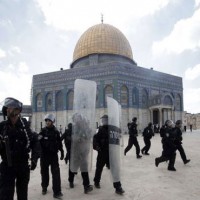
(182, 152)
(85, 177)
(19, 174)
(147, 146)
(102, 160)
(46, 161)
(171, 157)
(133, 141)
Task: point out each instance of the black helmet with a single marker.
(149, 124)
(69, 125)
(10, 102)
(178, 122)
(134, 119)
(104, 116)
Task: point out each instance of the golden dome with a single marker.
(102, 39)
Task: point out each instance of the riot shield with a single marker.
(114, 137)
(83, 125)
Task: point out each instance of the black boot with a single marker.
(186, 161)
(88, 189)
(159, 160)
(119, 190)
(171, 168)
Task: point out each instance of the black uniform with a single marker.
(178, 143)
(169, 148)
(66, 136)
(16, 142)
(147, 134)
(133, 133)
(50, 144)
(101, 145)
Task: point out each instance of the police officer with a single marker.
(16, 142)
(147, 134)
(67, 137)
(169, 146)
(50, 145)
(101, 145)
(179, 142)
(133, 133)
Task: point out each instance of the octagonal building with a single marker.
(104, 55)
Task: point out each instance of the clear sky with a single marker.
(39, 36)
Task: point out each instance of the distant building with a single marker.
(191, 119)
(103, 54)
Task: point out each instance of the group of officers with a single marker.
(20, 149)
(171, 139)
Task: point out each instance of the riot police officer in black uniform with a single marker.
(16, 142)
(101, 145)
(179, 142)
(67, 137)
(133, 133)
(169, 136)
(147, 134)
(50, 145)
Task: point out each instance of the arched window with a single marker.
(144, 98)
(70, 100)
(124, 96)
(59, 100)
(97, 98)
(168, 100)
(135, 96)
(39, 102)
(178, 102)
(108, 92)
(49, 102)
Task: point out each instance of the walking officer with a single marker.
(179, 142)
(101, 145)
(169, 146)
(133, 133)
(147, 134)
(16, 142)
(50, 145)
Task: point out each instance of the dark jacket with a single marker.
(148, 132)
(50, 140)
(132, 127)
(67, 137)
(17, 142)
(101, 140)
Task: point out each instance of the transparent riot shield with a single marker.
(114, 137)
(83, 127)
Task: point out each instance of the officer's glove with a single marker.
(62, 155)
(33, 165)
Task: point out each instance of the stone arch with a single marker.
(124, 96)
(135, 97)
(49, 102)
(108, 91)
(144, 96)
(38, 102)
(167, 100)
(59, 100)
(70, 99)
(97, 98)
(178, 102)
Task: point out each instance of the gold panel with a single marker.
(102, 38)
